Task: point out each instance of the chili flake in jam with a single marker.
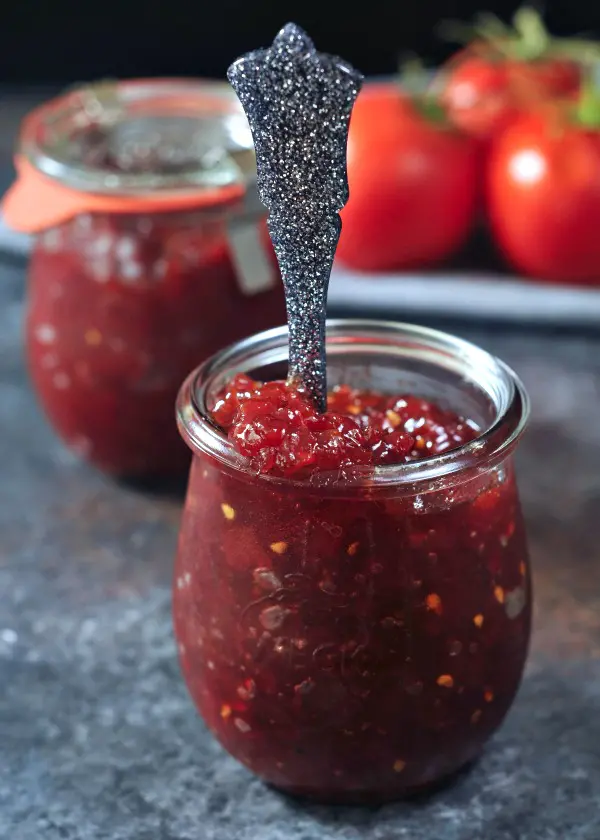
(348, 646)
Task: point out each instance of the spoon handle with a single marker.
(298, 103)
(305, 271)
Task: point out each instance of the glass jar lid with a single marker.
(135, 137)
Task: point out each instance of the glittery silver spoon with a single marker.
(298, 103)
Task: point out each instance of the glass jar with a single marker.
(151, 253)
(358, 636)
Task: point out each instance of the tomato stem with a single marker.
(412, 74)
(587, 112)
(534, 39)
(431, 109)
(527, 39)
(412, 79)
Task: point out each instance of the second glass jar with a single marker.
(124, 301)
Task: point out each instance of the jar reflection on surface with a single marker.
(362, 638)
(120, 308)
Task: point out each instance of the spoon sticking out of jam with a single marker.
(298, 103)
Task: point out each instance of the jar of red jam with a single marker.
(150, 253)
(357, 634)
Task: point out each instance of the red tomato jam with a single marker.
(276, 426)
(349, 644)
(121, 308)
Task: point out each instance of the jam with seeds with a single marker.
(344, 643)
(121, 308)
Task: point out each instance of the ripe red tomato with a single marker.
(506, 69)
(544, 198)
(413, 184)
(483, 92)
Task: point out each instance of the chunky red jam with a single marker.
(276, 425)
(349, 643)
(121, 308)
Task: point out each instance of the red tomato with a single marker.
(484, 93)
(544, 198)
(413, 185)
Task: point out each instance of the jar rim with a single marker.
(203, 107)
(493, 376)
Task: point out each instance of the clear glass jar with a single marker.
(151, 253)
(358, 636)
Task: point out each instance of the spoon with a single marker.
(298, 103)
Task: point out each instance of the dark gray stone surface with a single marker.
(98, 739)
